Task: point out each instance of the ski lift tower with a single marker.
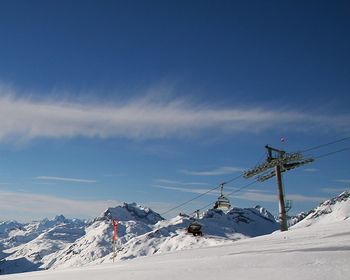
(279, 161)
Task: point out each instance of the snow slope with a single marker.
(330, 211)
(318, 252)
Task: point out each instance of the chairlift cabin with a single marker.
(195, 227)
(223, 203)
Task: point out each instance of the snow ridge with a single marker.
(329, 211)
(132, 211)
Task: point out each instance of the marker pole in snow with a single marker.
(115, 225)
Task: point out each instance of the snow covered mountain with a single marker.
(134, 220)
(292, 220)
(5, 228)
(318, 252)
(330, 211)
(26, 245)
(62, 243)
(141, 232)
(8, 226)
(15, 234)
(219, 228)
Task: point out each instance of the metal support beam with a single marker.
(282, 210)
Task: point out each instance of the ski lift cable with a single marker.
(233, 179)
(231, 193)
(331, 153)
(326, 144)
(190, 200)
(202, 194)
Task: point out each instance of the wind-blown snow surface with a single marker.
(321, 251)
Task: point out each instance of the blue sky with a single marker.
(158, 101)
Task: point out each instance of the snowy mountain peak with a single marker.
(132, 211)
(60, 218)
(264, 212)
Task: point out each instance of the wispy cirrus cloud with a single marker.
(65, 179)
(304, 198)
(145, 118)
(173, 182)
(334, 190)
(214, 172)
(311, 170)
(346, 181)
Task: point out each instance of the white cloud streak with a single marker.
(215, 172)
(64, 179)
(304, 198)
(346, 181)
(311, 170)
(261, 197)
(172, 182)
(145, 118)
(334, 190)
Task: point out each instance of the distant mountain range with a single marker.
(63, 243)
